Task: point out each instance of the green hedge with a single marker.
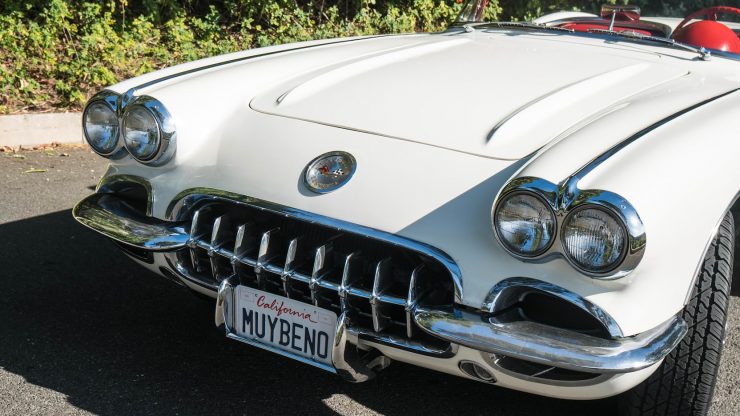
(55, 53)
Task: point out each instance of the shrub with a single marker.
(55, 53)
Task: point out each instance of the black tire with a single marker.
(684, 383)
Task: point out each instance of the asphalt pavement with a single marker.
(84, 330)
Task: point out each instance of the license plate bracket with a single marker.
(288, 327)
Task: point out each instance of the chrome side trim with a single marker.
(553, 346)
(115, 219)
(500, 298)
(184, 201)
(572, 180)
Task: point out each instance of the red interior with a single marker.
(585, 26)
(707, 33)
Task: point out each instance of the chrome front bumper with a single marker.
(114, 218)
(117, 220)
(557, 347)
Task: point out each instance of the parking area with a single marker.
(84, 330)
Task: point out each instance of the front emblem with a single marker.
(329, 171)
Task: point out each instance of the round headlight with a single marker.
(525, 224)
(101, 127)
(594, 239)
(141, 134)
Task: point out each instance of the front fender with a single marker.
(682, 176)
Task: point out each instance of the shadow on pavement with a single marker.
(78, 317)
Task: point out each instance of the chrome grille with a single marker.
(375, 282)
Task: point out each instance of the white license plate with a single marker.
(285, 324)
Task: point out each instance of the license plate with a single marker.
(284, 324)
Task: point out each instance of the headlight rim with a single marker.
(159, 141)
(110, 100)
(167, 134)
(563, 198)
(617, 217)
(551, 209)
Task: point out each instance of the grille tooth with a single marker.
(268, 252)
(381, 283)
(321, 265)
(195, 235)
(290, 266)
(350, 275)
(375, 283)
(412, 299)
(220, 236)
(244, 243)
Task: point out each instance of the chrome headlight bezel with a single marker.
(570, 257)
(503, 241)
(165, 125)
(566, 199)
(119, 105)
(110, 100)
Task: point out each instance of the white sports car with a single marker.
(544, 206)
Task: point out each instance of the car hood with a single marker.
(493, 94)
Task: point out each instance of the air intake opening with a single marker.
(530, 304)
(540, 371)
(525, 299)
(136, 195)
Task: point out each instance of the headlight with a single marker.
(141, 134)
(594, 239)
(100, 125)
(525, 224)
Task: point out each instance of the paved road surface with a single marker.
(84, 330)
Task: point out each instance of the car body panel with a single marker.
(451, 119)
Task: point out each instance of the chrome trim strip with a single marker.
(184, 201)
(572, 180)
(115, 219)
(553, 346)
(500, 298)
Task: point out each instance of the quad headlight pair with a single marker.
(599, 233)
(144, 128)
